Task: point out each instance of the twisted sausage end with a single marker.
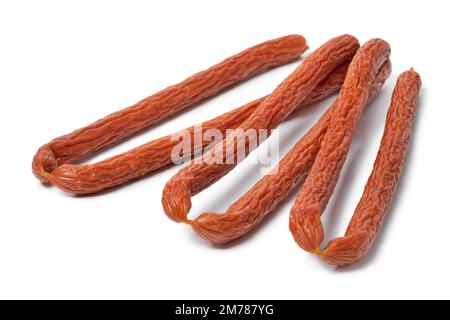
(209, 228)
(219, 228)
(307, 229)
(44, 162)
(413, 76)
(347, 250)
(176, 199)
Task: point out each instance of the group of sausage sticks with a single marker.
(340, 65)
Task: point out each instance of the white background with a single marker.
(64, 64)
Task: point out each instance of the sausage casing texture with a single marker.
(304, 222)
(371, 211)
(275, 108)
(135, 163)
(119, 125)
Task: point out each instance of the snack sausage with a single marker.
(369, 215)
(304, 222)
(119, 125)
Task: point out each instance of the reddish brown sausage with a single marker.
(382, 183)
(124, 123)
(304, 222)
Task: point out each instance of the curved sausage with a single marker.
(122, 124)
(304, 222)
(369, 215)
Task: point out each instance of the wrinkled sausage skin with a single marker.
(379, 191)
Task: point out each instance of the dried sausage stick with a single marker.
(304, 221)
(124, 123)
(274, 109)
(135, 163)
(247, 212)
(369, 215)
